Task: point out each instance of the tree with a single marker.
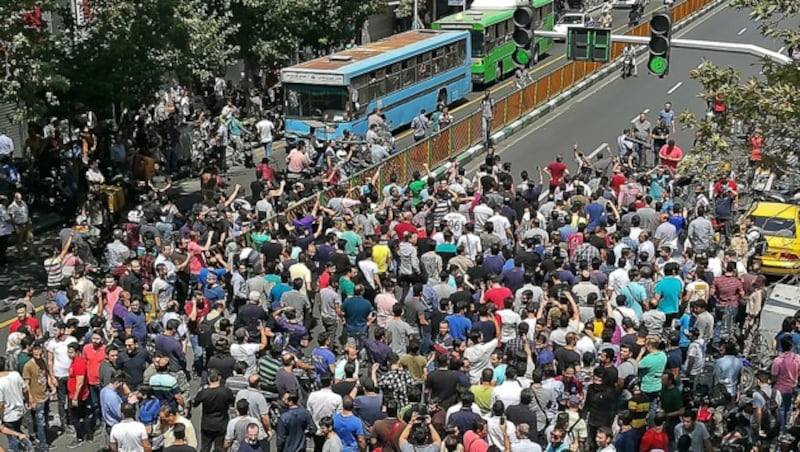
(29, 75)
(126, 50)
(770, 102)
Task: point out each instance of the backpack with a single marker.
(770, 420)
(205, 330)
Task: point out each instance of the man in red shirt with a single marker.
(78, 393)
(497, 294)
(723, 183)
(405, 226)
(670, 155)
(24, 318)
(94, 353)
(556, 170)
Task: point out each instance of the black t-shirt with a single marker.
(180, 448)
(224, 364)
(271, 251)
(341, 261)
(344, 387)
(216, 403)
(522, 414)
(566, 358)
(442, 384)
(461, 297)
(134, 366)
(250, 314)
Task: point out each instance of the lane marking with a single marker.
(741, 32)
(675, 88)
(645, 111)
(699, 65)
(781, 49)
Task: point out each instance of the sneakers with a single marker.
(76, 443)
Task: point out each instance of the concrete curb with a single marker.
(466, 156)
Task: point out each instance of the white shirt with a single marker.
(456, 221)
(6, 144)
(495, 436)
(95, 176)
(472, 245)
(61, 360)
(508, 392)
(12, 388)
(128, 435)
(246, 353)
(370, 270)
(508, 324)
(481, 214)
(501, 225)
(323, 403)
(265, 127)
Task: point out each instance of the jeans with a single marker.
(268, 149)
(725, 320)
(63, 400)
(211, 441)
(96, 415)
(78, 416)
(171, 157)
(786, 408)
(199, 354)
(14, 444)
(40, 414)
(655, 399)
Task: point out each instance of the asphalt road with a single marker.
(599, 115)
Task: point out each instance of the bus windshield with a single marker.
(327, 103)
(477, 43)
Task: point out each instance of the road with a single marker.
(594, 118)
(599, 115)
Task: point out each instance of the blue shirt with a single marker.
(669, 289)
(292, 427)
(595, 211)
(138, 326)
(356, 310)
(349, 428)
(685, 322)
(460, 326)
(277, 292)
(110, 403)
(203, 275)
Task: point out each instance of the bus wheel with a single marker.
(535, 56)
(441, 99)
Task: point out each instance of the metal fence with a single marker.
(465, 133)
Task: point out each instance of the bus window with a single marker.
(409, 72)
(394, 78)
(316, 101)
(478, 44)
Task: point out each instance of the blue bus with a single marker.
(401, 74)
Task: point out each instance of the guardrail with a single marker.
(465, 133)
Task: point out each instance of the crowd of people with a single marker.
(571, 310)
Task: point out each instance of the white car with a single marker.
(624, 3)
(570, 20)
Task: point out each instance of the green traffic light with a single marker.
(522, 57)
(658, 65)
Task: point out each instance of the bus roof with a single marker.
(408, 41)
(468, 19)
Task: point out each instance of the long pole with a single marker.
(415, 20)
(715, 46)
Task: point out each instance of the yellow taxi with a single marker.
(779, 223)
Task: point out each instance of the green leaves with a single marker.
(768, 102)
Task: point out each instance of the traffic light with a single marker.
(601, 45)
(589, 44)
(523, 35)
(660, 35)
(579, 44)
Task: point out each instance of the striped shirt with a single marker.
(727, 290)
(54, 268)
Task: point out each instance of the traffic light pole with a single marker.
(714, 46)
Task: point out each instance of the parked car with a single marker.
(779, 223)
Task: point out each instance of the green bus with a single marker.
(491, 31)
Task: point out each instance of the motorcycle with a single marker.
(627, 66)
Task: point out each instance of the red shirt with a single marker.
(267, 172)
(673, 154)
(497, 295)
(401, 228)
(30, 322)
(653, 440)
(77, 369)
(557, 170)
(617, 181)
(718, 188)
(93, 357)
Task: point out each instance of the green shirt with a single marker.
(483, 396)
(22, 359)
(650, 369)
(416, 188)
(671, 399)
(346, 287)
(353, 242)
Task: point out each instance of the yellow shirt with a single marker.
(380, 255)
(302, 272)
